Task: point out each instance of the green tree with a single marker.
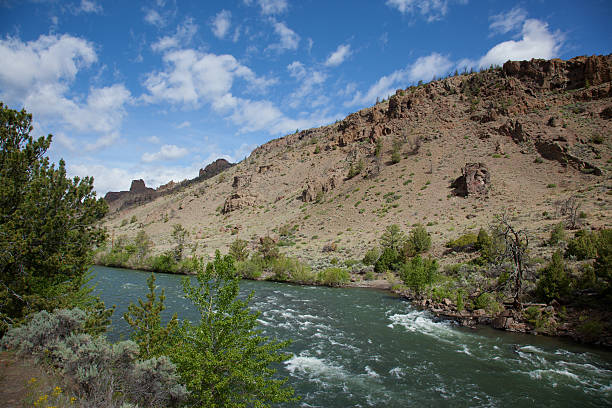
(419, 273)
(419, 241)
(393, 238)
(555, 282)
(145, 319)
(222, 359)
(268, 249)
(49, 225)
(239, 250)
(179, 234)
(142, 244)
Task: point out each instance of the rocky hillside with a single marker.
(450, 154)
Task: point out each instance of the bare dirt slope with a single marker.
(542, 129)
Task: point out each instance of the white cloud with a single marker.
(270, 7)
(424, 68)
(221, 23)
(183, 124)
(167, 152)
(310, 81)
(337, 57)
(88, 6)
(503, 23)
(182, 37)
(154, 18)
(431, 10)
(40, 77)
(192, 77)
(536, 42)
(154, 140)
(289, 40)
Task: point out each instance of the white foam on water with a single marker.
(464, 350)
(397, 372)
(371, 373)
(129, 286)
(551, 372)
(314, 367)
(418, 322)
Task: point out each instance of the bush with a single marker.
(483, 301)
(291, 270)
(355, 169)
(371, 256)
(419, 241)
(333, 276)
(268, 249)
(239, 250)
(484, 240)
(464, 242)
(557, 234)
(554, 282)
(582, 246)
(389, 260)
(419, 273)
(249, 269)
(165, 263)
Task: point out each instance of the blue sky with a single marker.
(156, 90)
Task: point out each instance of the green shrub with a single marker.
(603, 261)
(355, 169)
(369, 275)
(268, 249)
(557, 234)
(419, 273)
(419, 241)
(460, 305)
(333, 276)
(249, 269)
(291, 270)
(239, 250)
(163, 262)
(466, 241)
(371, 256)
(388, 260)
(483, 301)
(483, 240)
(582, 246)
(590, 329)
(554, 282)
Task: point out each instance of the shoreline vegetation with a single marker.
(501, 286)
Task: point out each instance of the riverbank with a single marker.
(553, 319)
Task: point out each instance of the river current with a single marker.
(365, 348)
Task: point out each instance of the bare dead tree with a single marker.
(570, 209)
(515, 250)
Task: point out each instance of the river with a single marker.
(365, 348)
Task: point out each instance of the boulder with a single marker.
(238, 200)
(514, 130)
(502, 323)
(475, 180)
(242, 180)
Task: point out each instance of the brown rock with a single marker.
(214, 168)
(475, 180)
(502, 322)
(514, 130)
(606, 113)
(242, 180)
(239, 200)
(314, 187)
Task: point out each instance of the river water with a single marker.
(366, 348)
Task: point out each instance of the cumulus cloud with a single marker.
(40, 77)
(289, 40)
(431, 10)
(337, 57)
(503, 23)
(221, 24)
(154, 140)
(88, 6)
(310, 81)
(537, 41)
(167, 152)
(425, 68)
(184, 34)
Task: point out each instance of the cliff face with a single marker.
(541, 130)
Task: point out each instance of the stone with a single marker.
(214, 168)
(475, 180)
(239, 200)
(502, 322)
(241, 180)
(314, 187)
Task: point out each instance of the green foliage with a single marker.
(378, 148)
(179, 234)
(460, 304)
(355, 169)
(483, 301)
(142, 244)
(250, 269)
(390, 259)
(239, 250)
(101, 374)
(557, 234)
(591, 330)
(268, 249)
(483, 241)
(396, 155)
(291, 270)
(165, 263)
(333, 276)
(371, 256)
(583, 245)
(221, 358)
(419, 273)
(393, 238)
(603, 262)
(464, 242)
(145, 319)
(419, 241)
(48, 225)
(554, 282)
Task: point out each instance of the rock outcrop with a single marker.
(315, 187)
(214, 168)
(475, 180)
(238, 200)
(241, 181)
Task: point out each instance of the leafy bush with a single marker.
(393, 238)
(165, 262)
(355, 169)
(582, 246)
(557, 234)
(291, 270)
(268, 249)
(419, 241)
(239, 250)
(466, 241)
(483, 240)
(554, 282)
(483, 301)
(249, 269)
(419, 273)
(389, 260)
(371, 256)
(333, 276)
